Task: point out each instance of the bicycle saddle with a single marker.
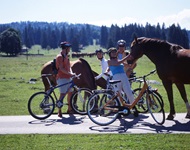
(114, 81)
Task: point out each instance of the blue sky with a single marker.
(98, 12)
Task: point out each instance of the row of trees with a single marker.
(49, 35)
(173, 34)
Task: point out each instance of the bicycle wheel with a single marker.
(141, 105)
(101, 109)
(41, 105)
(155, 108)
(79, 100)
(159, 96)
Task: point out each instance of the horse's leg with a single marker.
(182, 91)
(168, 87)
(46, 84)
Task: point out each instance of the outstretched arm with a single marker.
(124, 59)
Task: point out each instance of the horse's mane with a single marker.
(172, 47)
(91, 72)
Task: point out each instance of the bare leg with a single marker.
(59, 109)
(68, 101)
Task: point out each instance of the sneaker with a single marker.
(59, 104)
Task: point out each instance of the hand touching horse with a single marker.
(171, 62)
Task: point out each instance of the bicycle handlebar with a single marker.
(142, 77)
(75, 76)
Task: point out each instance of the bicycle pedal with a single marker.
(124, 111)
(59, 104)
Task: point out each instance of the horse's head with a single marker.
(136, 50)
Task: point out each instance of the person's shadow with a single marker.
(71, 120)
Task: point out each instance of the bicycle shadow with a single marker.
(70, 119)
(131, 122)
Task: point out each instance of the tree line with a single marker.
(49, 35)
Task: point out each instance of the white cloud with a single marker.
(182, 18)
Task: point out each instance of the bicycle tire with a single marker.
(79, 100)
(156, 109)
(160, 97)
(41, 105)
(141, 105)
(99, 114)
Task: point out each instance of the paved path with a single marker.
(82, 124)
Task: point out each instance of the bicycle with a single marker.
(105, 105)
(41, 105)
(141, 104)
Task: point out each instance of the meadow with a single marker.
(15, 90)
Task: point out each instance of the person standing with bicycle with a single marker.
(117, 68)
(64, 75)
(122, 52)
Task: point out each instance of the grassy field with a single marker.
(15, 91)
(15, 73)
(95, 142)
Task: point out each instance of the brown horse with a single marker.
(171, 62)
(79, 66)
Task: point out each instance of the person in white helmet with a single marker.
(122, 52)
(117, 68)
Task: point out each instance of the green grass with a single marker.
(15, 92)
(94, 141)
(15, 74)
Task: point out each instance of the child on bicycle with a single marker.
(64, 74)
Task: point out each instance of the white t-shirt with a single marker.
(104, 65)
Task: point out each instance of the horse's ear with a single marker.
(136, 41)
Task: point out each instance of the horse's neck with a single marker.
(157, 56)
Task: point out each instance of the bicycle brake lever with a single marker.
(78, 76)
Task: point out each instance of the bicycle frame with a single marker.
(52, 88)
(129, 106)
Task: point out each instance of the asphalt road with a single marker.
(70, 124)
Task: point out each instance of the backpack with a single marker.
(53, 65)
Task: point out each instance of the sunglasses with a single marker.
(121, 46)
(113, 51)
